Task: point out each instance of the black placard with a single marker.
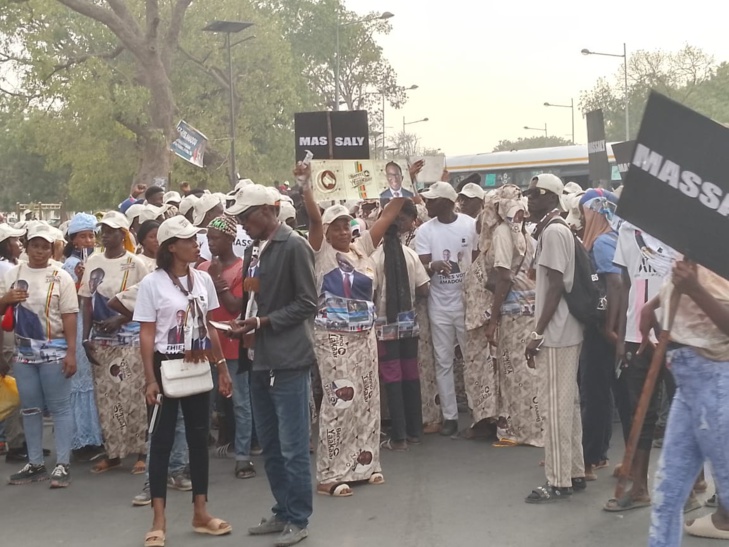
(676, 188)
(600, 171)
(330, 135)
(623, 152)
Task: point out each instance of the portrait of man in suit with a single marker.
(394, 182)
(176, 336)
(202, 341)
(344, 281)
(455, 268)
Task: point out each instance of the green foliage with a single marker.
(531, 142)
(689, 76)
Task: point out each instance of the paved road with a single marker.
(447, 492)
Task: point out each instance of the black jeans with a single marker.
(195, 411)
(597, 375)
(627, 393)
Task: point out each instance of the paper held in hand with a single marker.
(370, 179)
(220, 325)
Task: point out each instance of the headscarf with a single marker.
(82, 222)
(225, 225)
(502, 205)
(598, 206)
(397, 287)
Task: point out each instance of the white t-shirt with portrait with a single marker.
(161, 302)
(39, 335)
(453, 243)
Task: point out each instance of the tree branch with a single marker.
(138, 129)
(214, 73)
(115, 24)
(82, 59)
(120, 8)
(173, 32)
(152, 20)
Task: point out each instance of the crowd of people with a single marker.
(345, 329)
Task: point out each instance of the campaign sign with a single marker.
(623, 152)
(597, 159)
(342, 135)
(676, 188)
(190, 145)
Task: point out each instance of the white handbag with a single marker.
(182, 378)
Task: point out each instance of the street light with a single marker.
(625, 76)
(538, 129)
(228, 28)
(571, 106)
(404, 123)
(383, 94)
(384, 15)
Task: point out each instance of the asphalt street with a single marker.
(446, 492)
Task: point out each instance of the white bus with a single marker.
(520, 166)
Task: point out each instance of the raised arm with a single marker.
(316, 228)
(388, 216)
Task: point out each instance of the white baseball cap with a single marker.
(440, 189)
(573, 188)
(202, 206)
(151, 212)
(42, 230)
(115, 219)
(287, 211)
(172, 196)
(335, 212)
(7, 231)
(552, 183)
(472, 190)
(251, 195)
(134, 211)
(177, 227)
(187, 203)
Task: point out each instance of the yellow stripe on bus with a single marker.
(491, 166)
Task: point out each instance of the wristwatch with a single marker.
(536, 336)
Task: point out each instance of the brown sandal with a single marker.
(106, 465)
(140, 467)
(335, 490)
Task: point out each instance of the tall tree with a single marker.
(679, 75)
(523, 143)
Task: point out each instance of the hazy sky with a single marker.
(484, 70)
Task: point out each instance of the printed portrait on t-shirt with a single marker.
(176, 335)
(363, 461)
(455, 267)
(202, 341)
(99, 302)
(346, 282)
(27, 322)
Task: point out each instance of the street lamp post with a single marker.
(383, 95)
(337, 66)
(624, 56)
(228, 28)
(404, 123)
(538, 129)
(570, 106)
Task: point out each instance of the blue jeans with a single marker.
(281, 414)
(697, 430)
(179, 456)
(242, 410)
(44, 386)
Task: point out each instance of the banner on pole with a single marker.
(190, 145)
(341, 135)
(600, 171)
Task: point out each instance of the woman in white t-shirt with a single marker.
(147, 239)
(45, 309)
(173, 307)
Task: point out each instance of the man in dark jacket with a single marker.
(279, 307)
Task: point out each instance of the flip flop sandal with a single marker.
(626, 503)
(155, 538)
(140, 468)
(105, 465)
(604, 464)
(245, 471)
(505, 443)
(336, 490)
(377, 478)
(213, 528)
(389, 446)
(705, 528)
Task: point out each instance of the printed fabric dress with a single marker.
(119, 378)
(346, 348)
(83, 399)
